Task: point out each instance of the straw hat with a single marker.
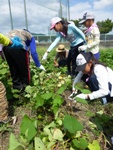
(61, 48)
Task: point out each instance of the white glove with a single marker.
(82, 96)
(42, 68)
(82, 48)
(45, 56)
(72, 95)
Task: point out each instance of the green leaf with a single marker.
(61, 89)
(19, 148)
(4, 71)
(57, 134)
(85, 91)
(80, 100)
(28, 128)
(29, 89)
(25, 124)
(100, 112)
(39, 145)
(47, 130)
(94, 145)
(71, 148)
(50, 144)
(56, 103)
(57, 100)
(16, 95)
(80, 143)
(31, 131)
(47, 96)
(71, 124)
(55, 109)
(14, 144)
(39, 101)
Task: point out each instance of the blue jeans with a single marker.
(97, 55)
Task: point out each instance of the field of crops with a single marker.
(46, 118)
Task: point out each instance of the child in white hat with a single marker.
(92, 35)
(61, 56)
(72, 34)
(100, 80)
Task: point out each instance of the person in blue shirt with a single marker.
(71, 33)
(18, 58)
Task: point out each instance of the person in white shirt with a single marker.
(100, 80)
(92, 35)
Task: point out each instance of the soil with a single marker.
(78, 110)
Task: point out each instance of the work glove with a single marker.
(45, 56)
(82, 96)
(82, 48)
(17, 38)
(73, 94)
(42, 68)
(16, 44)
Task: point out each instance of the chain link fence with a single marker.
(49, 39)
(106, 37)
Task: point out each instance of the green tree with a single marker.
(76, 22)
(105, 26)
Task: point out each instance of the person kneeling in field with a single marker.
(61, 56)
(100, 80)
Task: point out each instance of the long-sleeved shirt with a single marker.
(93, 39)
(28, 42)
(104, 77)
(4, 40)
(74, 35)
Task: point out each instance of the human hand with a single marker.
(56, 64)
(73, 94)
(82, 48)
(45, 56)
(82, 96)
(42, 68)
(16, 44)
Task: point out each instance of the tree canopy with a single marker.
(104, 26)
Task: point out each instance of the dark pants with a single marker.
(62, 63)
(93, 85)
(18, 61)
(73, 53)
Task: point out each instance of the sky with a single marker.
(40, 13)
